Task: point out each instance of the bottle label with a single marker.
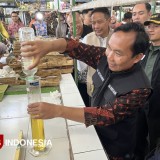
(34, 84)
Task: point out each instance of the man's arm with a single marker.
(123, 107)
(86, 53)
(42, 110)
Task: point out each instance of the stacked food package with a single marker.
(50, 68)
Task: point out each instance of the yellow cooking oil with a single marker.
(38, 134)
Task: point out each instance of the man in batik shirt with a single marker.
(120, 86)
(15, 25)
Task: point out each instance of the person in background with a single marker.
(100, 19)
(141, 12)
(86, 14)
(32, 19)
(151, 64)
(115, 101)
(40, 26)
(127, 18)
(62, 27)
(3, 49)
(14, 26)
(51, 20)
(114, 23)
(2, 16)
(81, 31)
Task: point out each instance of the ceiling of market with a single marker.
(12, 1)
(7, 1)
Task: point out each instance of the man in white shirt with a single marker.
(100, 18)
(81, 31)
(141, 12)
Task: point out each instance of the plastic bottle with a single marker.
(26, 62)
(27, 34)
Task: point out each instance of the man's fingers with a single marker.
(32, 111)
(33, 105)
(34, 64)
(34, 116)
(26, 43)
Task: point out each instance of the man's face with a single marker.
(119, 53)
(100, 24)
(79, 25)
(87, 18)
(14, 17)
(153, 31)
(140, 13)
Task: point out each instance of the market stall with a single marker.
(70, 140)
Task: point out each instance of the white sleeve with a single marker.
(81, 66)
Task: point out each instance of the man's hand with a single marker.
(42, 110)
(39, 48)
(36, 49)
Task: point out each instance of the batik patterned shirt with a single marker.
(123, 106)
(13, 28)
(41, 28)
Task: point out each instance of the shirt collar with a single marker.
(154, 48)
(102, 39)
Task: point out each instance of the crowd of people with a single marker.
(118, 75)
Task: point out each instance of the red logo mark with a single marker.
(1, 140)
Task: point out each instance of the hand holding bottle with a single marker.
(27, 34)
(36, 49)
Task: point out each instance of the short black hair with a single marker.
(141, 42)
(128, 15)
(15, 12)
(103, 10)
(147, 5)
(86, 11)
